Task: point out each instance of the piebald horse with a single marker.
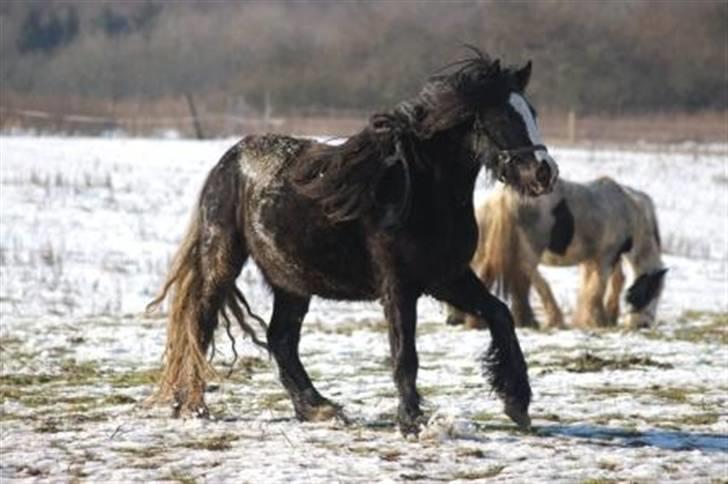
(599, 226)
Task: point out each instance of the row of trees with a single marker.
(595, 57)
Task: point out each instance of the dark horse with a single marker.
(387, 215)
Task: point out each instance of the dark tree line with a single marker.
(596, 57)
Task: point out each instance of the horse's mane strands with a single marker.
(339, 178)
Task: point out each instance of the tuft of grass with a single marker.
(134, 378)
(671, 394)
(181, 478)
(21, 380)
(674, 394)
(119, 399)
(714, 330)
(549, 416)
(484, 415)
(274, 401)
(696, 327)
(215, 443)
(75, 372)
(476, 453)
(477, 474)
(390, 455)
(48, 426)
(141, 452)
(245, 367)
(588, 362)
(414, 477)
(695, 419)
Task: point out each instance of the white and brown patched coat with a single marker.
(601, 226)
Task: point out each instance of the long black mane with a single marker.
(341, 179)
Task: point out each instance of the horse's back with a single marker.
(264, 157)
(596, 210)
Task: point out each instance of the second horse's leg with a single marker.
(554, 317)
(614, 290)
(284, 335)
(590, 306)
(521, 306)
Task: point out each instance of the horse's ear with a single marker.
(494, 67)
(523, 75)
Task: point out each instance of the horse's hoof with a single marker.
(518, 415)
(411, 424)
(411, 429)
(554, 325)
(198, 410)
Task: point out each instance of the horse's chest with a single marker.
(443, 247)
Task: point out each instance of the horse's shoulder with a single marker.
(604, 183)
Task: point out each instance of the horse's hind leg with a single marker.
(284, 334)
(554, 317)
(503, 363)
(590, 306)
(520, 305)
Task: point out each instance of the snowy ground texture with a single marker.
(87, 229)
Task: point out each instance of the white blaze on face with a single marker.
(519, 104)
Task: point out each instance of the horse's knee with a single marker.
(501, 313)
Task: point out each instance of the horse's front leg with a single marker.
(503, 363)
(614, 290)
(400, 309)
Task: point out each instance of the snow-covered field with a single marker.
(88, 226)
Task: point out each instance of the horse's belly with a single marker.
(574, 255)
(298, 252)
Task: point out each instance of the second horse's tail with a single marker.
(497, 260)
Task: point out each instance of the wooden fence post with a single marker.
(571, 126)
(195, 118)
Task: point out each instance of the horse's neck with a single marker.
(645, 255)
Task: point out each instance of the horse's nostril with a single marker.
(543, 174)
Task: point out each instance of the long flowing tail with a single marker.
(200, 288)
(183, 356)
